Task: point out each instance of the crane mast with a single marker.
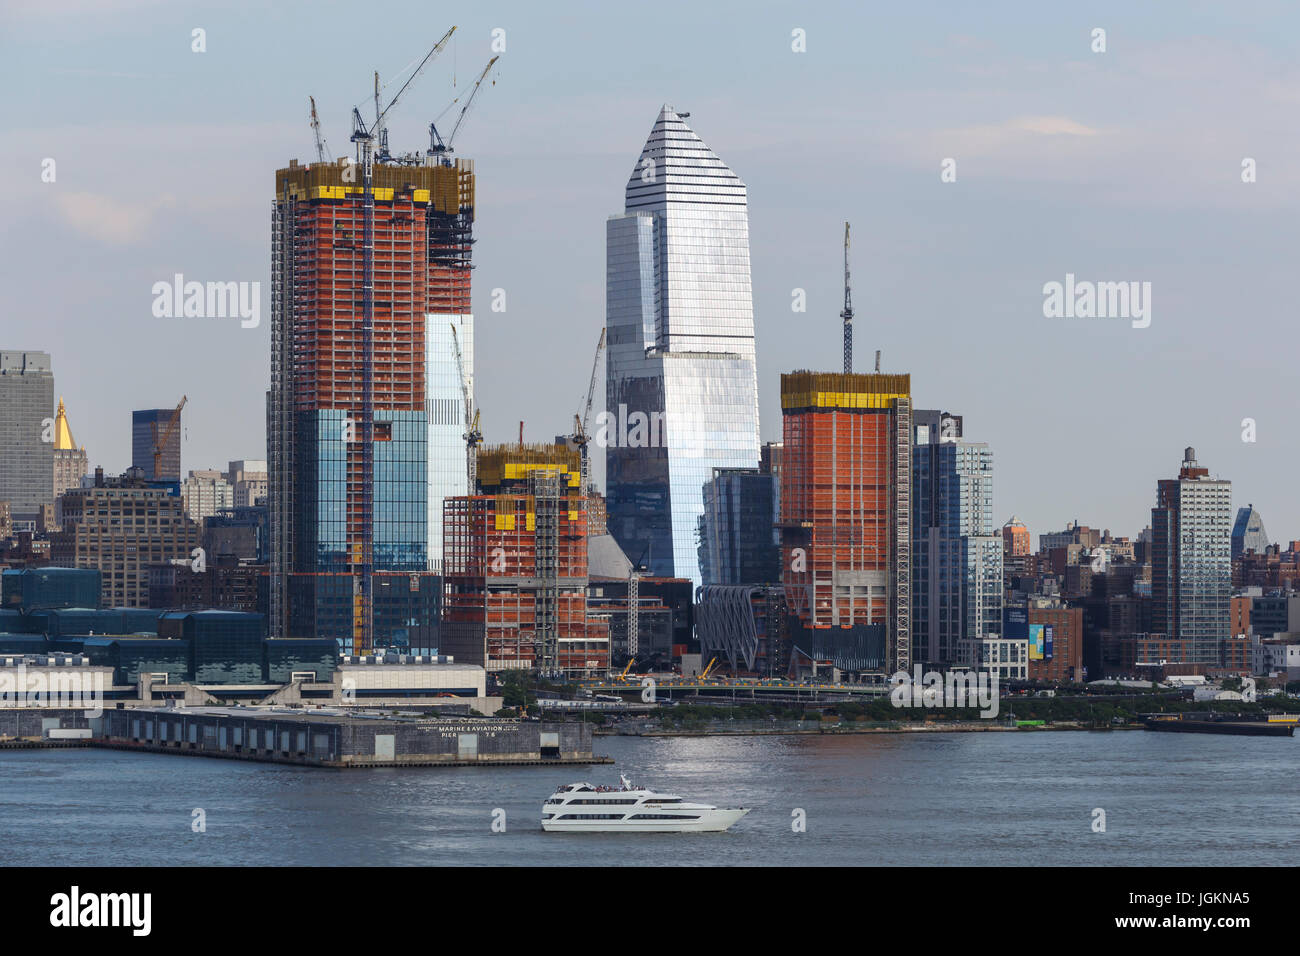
(160, 443)
(473, 437)
(364, 137)
(847, 314)
(581, 437)
(322, 150)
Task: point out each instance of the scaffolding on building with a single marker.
(356, 268)
(846, 505)
(515, 563)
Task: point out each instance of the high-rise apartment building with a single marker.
(205, 492)
(957, 582)
(680, 374)
(248, 479)
(340, 503)
(1191, 562)
(1015, 539)
(121, 526)
(846, 515)
(157, 430)
(26, 446)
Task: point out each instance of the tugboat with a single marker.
(581, 807)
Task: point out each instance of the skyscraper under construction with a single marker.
(328, 524)
(516, 567)
(846, 517)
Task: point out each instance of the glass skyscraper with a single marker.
(738, 539)
(1191, 561)
(1248, 533)
(956, 551)
(445, 405)
(681, 383)
(27, 461)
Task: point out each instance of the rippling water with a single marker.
(905, 799)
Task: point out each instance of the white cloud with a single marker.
(107, 219)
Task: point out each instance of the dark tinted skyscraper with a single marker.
(26, 438)
(956, 552)
(738, 542)
(149, 428)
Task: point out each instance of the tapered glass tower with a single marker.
(681, 384)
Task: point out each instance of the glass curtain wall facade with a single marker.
(1191, 561)
(738, 538)
(27, 461)
(149, 425)
(1248, 533)
(445, 406)
(681, 383)
(956, 551)
(317, 451)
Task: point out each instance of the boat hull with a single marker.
(710, 821)
(1243, 728)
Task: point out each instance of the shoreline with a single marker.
(840, 730)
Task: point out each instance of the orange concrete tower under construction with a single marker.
(846, 516)
(327, 522)
(515, 567)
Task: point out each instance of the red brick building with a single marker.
(1066, 663)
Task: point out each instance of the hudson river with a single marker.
(901, 799)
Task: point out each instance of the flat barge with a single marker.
(1242, 728)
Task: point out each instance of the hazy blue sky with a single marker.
(1124, 165)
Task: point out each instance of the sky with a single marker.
(1122, 165)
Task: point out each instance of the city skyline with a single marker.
(1026, 142)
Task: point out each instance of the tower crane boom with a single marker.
(473, 436)
(160, 443)
(322, 149)
(438, 147)
(581, 437)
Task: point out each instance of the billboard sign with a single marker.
(1037, 642)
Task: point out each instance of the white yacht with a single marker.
(580, 807)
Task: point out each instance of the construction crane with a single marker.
(623, 676)
(473, 437)
(160, 443)
(847, 314)
(705, 673)
(322, 150)
(581, 423)
(634, 603)
(363, 625)
(438, 148)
